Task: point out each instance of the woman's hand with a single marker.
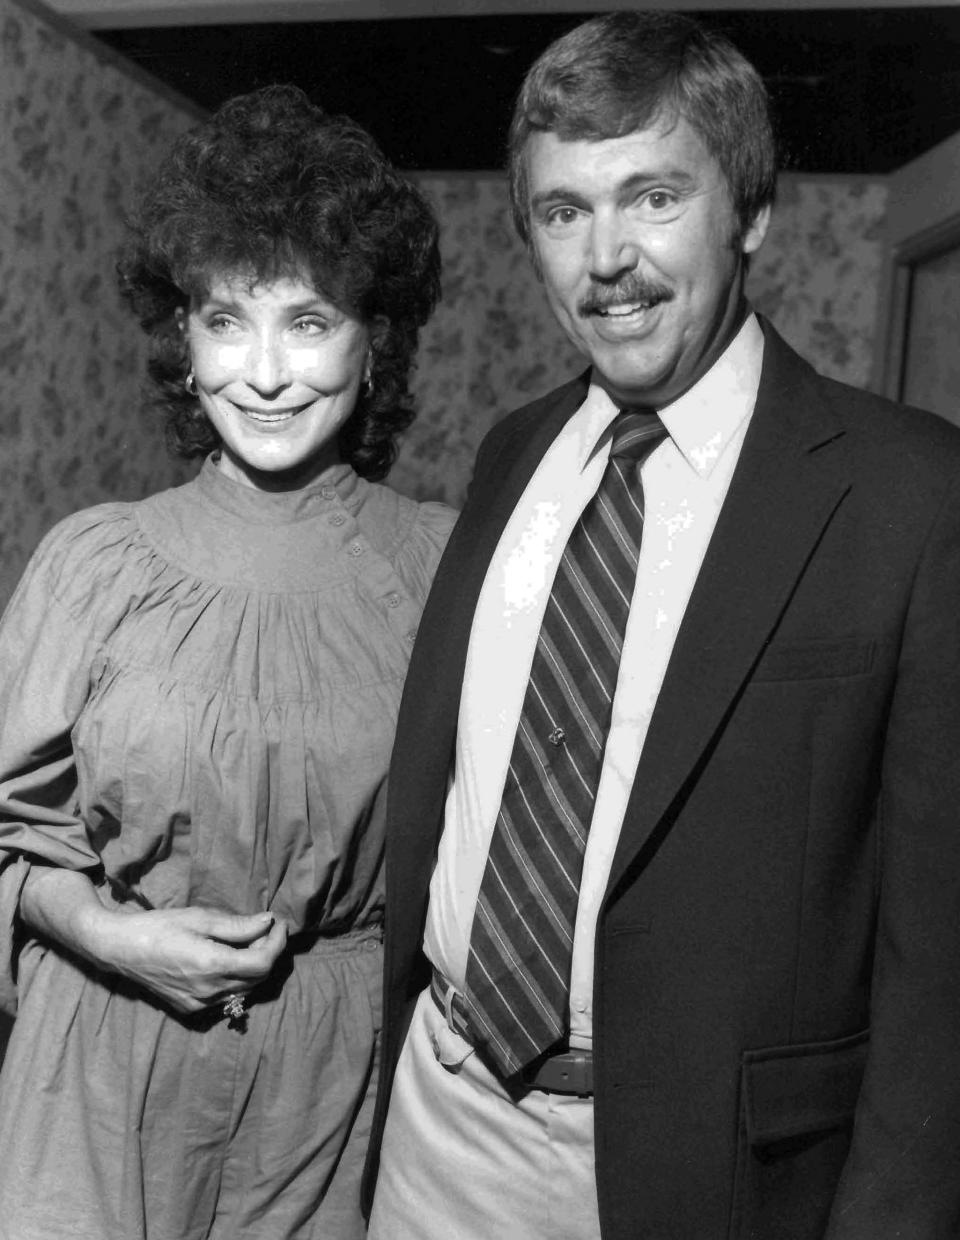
(190, 958)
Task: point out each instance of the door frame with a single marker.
(923, 222)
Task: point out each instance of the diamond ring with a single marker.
(235, 1007)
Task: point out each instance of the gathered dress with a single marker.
(198, 694)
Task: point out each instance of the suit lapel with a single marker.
(789, 481)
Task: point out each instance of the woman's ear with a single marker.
(377, 331)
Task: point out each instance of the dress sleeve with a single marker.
(420, 554)
(46, 658)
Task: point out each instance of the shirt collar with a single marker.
(705, 418)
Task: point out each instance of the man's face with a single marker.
(639, 249)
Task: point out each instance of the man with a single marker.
(690, 961)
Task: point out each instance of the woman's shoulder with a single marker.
(89, 532)
(412, 533)
(84, 554)
(74, 563)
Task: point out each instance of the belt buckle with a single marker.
(576, 1073)
(568, 1072)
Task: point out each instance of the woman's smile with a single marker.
(271, 417)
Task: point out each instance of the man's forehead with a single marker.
(660, 119)
(669, 143)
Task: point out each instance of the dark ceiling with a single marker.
(855, 90)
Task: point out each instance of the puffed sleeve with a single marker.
(46, 656)
(421, 550)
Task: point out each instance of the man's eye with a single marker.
(660, 199)
(562, 215)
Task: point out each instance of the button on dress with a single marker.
(198, 694)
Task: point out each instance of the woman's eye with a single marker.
(220, 323)
(307, 327)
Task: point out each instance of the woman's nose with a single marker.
(268, 369)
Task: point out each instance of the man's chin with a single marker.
(633, 381)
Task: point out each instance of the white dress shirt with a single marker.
(685, 481)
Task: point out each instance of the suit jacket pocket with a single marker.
(816, 660)
(797, 1105)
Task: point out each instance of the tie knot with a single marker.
(636, 432)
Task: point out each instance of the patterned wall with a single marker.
(817, 275)
(493, 344)
(78, 132)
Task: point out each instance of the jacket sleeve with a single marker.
(45, 663)
(902, 1176)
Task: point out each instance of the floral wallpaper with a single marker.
(817, 275)
(493, 344)
(79, 131)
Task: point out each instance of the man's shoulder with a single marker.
(561, 402)
(882, 425)
(876, 426)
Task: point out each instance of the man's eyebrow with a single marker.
(558, 193)
(676, 178)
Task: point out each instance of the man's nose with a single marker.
(268, 369)
(614, 247)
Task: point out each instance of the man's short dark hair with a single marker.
(622, 72)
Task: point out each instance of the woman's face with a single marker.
(277, 367)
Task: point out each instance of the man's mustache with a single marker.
(630, 288)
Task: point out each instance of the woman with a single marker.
(196, 712)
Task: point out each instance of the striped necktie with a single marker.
(521, 943)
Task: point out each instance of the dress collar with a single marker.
(337, 483)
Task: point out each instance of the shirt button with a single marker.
(337, 519)
(411, 635)
(393, 600)
(328, 492)
(355, 549)
(580, 1005)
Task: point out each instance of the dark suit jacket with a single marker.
(777, 991)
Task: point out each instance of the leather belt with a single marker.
(566, 1072)
(451, 1004)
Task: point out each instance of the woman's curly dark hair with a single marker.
(272, 186)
